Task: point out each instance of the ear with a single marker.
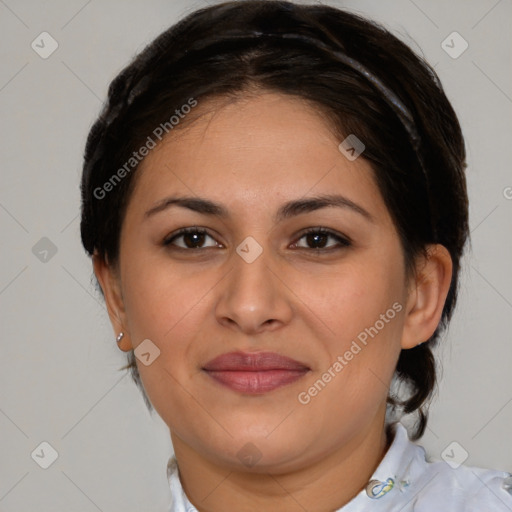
(428, 289)
(110, 284)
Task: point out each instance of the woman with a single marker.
(275, 203)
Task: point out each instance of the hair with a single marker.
(361, 78)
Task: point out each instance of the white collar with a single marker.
(405, 481)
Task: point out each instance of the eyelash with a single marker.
(343, 242)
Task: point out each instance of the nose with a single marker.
(254, 297)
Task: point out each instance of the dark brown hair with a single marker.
(360, 77)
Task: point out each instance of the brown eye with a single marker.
(317, 238)
(190, 238)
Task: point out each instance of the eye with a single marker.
(318, 238)
(191, 238)
(314, 238)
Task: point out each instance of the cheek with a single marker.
(354, 297)
(161, 297)
(172, 305)
(167, 307)
(364, 308)
(365, 312)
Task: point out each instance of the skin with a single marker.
(252, 156)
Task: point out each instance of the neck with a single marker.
(324, 486)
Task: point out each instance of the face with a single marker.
(298, 257)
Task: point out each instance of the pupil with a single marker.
(317, 238)
(197, 239)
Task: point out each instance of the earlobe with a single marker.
(110, 284)
(427, 295)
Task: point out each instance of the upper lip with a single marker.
(253, 361)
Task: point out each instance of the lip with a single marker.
(254, 372)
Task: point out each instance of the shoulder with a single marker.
(407, 481)
(457, 488)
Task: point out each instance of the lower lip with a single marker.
(256, 382)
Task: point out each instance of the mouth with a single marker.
(256, 372)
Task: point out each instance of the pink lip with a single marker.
(256, 372)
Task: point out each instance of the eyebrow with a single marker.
(286, 211)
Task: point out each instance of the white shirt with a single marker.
(405, 481)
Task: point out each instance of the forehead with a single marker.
(260, 149)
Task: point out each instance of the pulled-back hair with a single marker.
(362, 79)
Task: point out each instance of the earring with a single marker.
(120, 337)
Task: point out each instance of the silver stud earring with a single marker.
(120, 336)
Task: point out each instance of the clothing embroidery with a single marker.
(376, 489)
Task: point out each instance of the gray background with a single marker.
(59, 378)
